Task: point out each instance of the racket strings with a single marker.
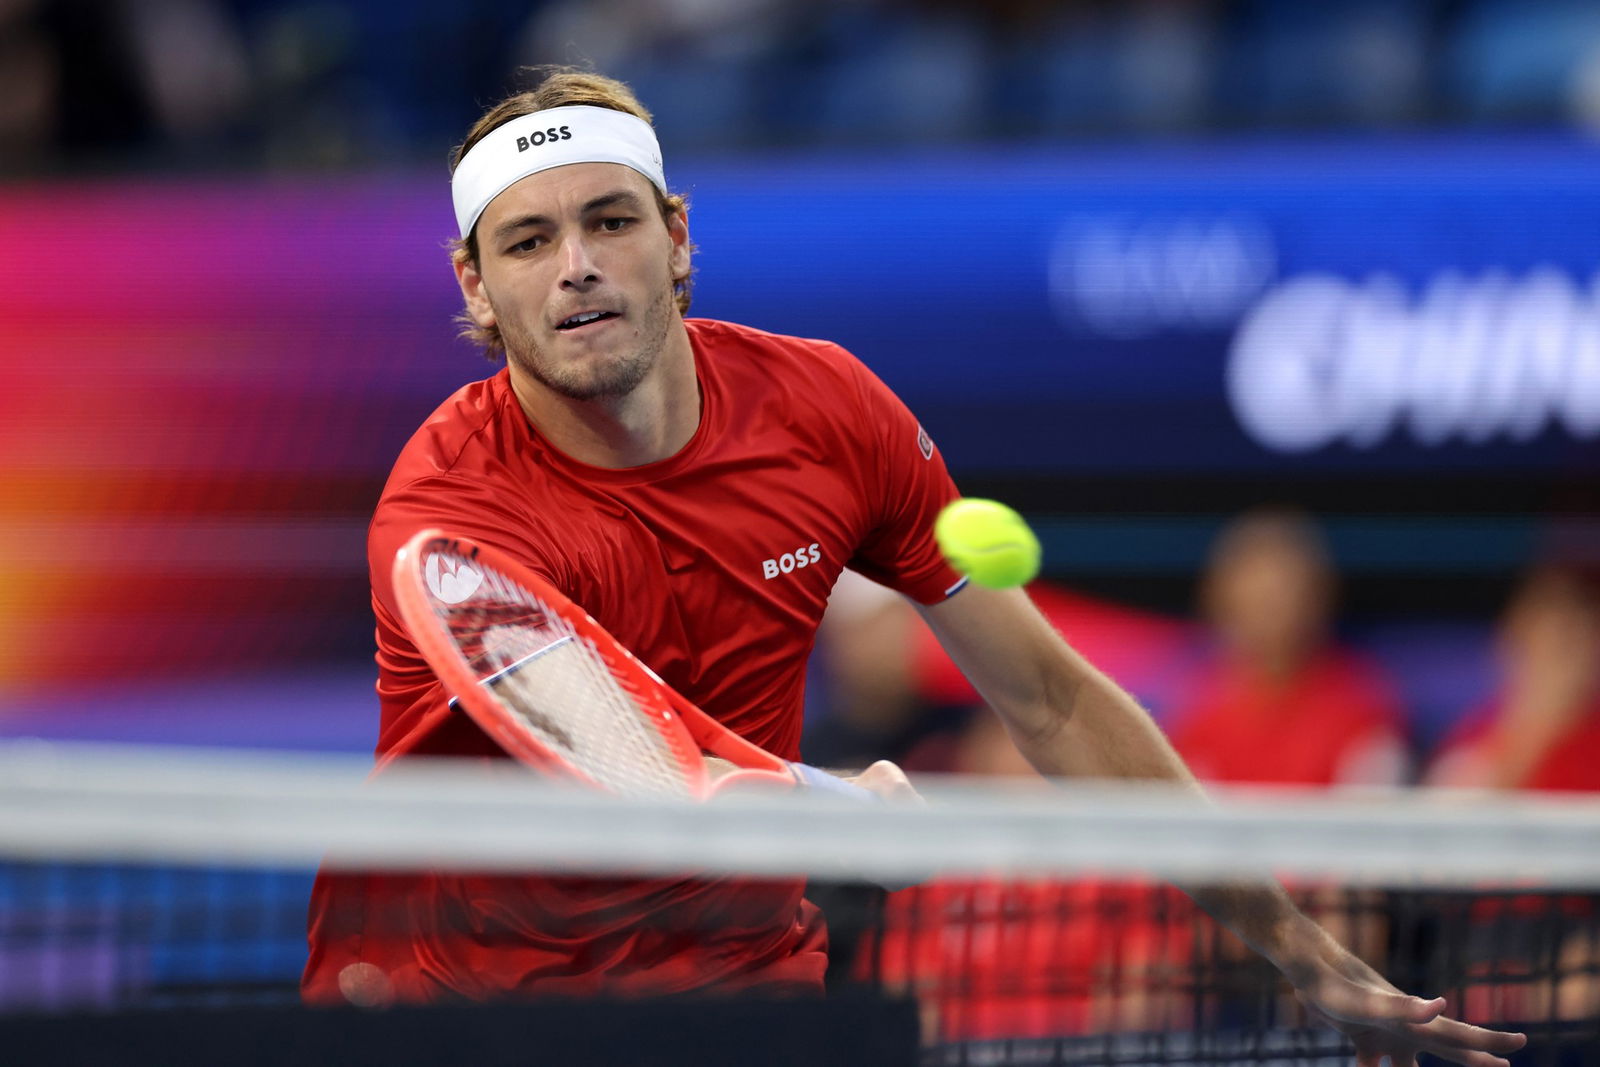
(480, 632)
(561, 689)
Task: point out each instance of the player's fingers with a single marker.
(1421, 1009)
(1454, 1034)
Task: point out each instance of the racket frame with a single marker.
(687, 730)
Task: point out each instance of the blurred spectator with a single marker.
(1542, 730)
(101, 82)
(69, 85)
(190, 58)
(1277, 700)
(29, 102)
(870, 697)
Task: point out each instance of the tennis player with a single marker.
(698, 486)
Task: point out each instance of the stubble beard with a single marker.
(611, 376)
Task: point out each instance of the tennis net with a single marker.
(1035, 925)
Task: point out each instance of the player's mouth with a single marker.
(584, 320)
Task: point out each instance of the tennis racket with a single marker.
(554, 689)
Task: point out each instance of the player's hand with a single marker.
(1385, 1024)
(888, 782)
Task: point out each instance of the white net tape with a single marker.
(60, 801)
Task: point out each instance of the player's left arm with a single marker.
(1067, 718)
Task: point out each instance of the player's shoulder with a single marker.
(717, 337)
(464, 436)
(752, 360)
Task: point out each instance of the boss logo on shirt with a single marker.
(790, 562)
(539, 137)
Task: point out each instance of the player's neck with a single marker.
(649, 424)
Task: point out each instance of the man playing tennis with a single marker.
(698, 486)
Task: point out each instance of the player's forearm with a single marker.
(1082, 724)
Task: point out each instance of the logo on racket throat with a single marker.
(451, 580)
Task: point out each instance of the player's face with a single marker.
(577, 267)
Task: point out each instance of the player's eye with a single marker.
(527, 244)
(613, 223)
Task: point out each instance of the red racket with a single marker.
(557, 691)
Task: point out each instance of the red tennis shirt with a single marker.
(714, 567)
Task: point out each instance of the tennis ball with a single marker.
(988, 542)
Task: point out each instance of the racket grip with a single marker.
(813, 778)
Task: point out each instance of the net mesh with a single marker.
(1035, 927)
(554, 679)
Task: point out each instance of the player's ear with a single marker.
(472, 291)
(678, 233)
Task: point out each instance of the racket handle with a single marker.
(821, 781)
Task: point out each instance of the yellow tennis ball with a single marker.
(988, 542)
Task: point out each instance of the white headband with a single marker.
(555, 137)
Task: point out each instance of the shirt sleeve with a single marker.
(416, 714)
(458, 507)
(908, 483)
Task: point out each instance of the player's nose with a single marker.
(578, 268)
